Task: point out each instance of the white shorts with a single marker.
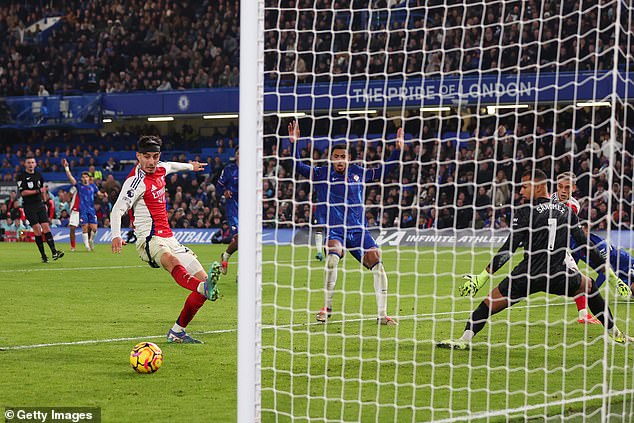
(157, 246)
(74, 218)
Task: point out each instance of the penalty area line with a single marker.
(103, 341)
(264, 327)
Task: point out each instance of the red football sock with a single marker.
(581, 301)
(184, 279)
(72, 243)
(193, 303)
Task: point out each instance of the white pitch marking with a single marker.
(99, 341)
(286, 326)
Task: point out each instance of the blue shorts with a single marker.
(358, 241)
(233, 224)
(86, 218)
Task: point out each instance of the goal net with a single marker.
(484, 91)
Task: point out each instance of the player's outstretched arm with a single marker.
(516, 239)
(69, 175)
(192, 166)
(621, 287)
(600, 263)
(293, 136)
(472, 283)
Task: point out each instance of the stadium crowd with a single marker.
(443, 182)
(316, 42)
(472, 183)
(118, 46)
(192, 199)
(124, 46)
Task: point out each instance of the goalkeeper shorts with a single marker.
(558, 280)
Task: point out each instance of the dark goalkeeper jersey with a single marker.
(543, 229)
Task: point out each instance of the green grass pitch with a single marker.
(93, 308)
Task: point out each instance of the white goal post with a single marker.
(485, 91)
(250, 213)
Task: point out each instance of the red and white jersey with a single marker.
(74, 202)
(572, 203)
(144, 193)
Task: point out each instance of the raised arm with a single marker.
(378, 172)
(293, 135)
(69, 175)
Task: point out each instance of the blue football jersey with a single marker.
(620, 261)
(228, 181)
(86, 195)
(340, 196)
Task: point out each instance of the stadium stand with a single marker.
(89, 50)
(101, 46)
(391, 42)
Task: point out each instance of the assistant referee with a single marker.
(31, 184)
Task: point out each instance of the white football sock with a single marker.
(84, 236)
(177, 328)
(380, 288)
(319, 241)
(225, 256)
(467, 335)
(330, 277)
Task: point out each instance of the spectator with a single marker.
(11, 225)
(42, 92)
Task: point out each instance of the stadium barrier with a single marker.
(185, 236)
(480, 238)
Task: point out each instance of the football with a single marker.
(146, 357)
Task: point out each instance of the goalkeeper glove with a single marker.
(621, 287)
(473, 283)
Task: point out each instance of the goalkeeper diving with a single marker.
(543, 229)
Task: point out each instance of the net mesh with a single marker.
(484, 92)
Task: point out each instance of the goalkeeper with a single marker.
(341, 187)
(543, 229)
